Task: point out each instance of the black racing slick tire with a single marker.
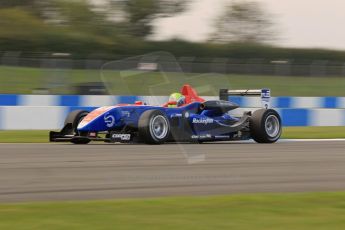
(153, 127)
(265, 126)
(75, 117)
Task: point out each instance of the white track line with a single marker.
(245, 141)
(311, 140)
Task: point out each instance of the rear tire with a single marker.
(265, 126)
(75, 117)
(153, 127)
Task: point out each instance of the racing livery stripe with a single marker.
(295, 117)
(127, 99)
(97, 101)
(9, 100)
(330, 102)
(69, 100)
(109, 100)
(282, 102)
(95, 114)
(327, 117)
(48, 117)
(1, 118)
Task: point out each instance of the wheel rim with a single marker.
(159, 127)
(272, 126)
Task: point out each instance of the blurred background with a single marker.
(57, 56)
(60, 46)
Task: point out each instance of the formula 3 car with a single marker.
(196, 121)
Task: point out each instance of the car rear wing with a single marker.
(265, 95)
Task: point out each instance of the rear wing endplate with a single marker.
(265, 95)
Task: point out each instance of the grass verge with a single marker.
(17, 80)
(41, 136)
(256, 211)
(314, 132)
(24, 136)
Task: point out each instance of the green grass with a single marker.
(25, 80)
(16, 80)
(24, 136)
(313, 132)
(41, 136)
(257, 211)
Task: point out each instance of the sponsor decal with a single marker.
(94, 114)
(204, 121)
(222, 137)
(239, 134)
(97, 112)
(176, 115)
(125, 113)
(121, 136)
(186, 115)
(205, 136)
(265, 98)
(265, 93)
(109, 120)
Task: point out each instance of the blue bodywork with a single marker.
(195, 122)
(187, 122)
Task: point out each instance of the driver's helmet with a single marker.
(176, 100)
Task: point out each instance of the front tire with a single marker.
(265, 126)
(153, 127)
(75, 117)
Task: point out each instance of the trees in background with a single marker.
(15, 3)
(121, 28)
(244, 22)
(50, 25)
(138, 15)
(68, 20)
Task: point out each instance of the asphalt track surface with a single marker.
(36, 172)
